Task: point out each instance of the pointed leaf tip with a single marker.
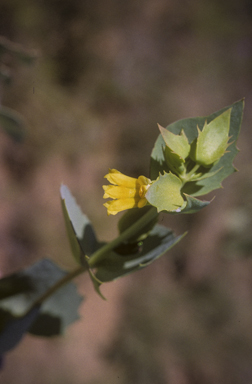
(79, 229)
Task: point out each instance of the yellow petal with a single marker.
(115, 206)
(143, 180)
(116, 192)
(142, 203)
(142, 190)
(117, 178)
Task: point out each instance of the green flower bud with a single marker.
(212, 141)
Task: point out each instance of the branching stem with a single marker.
(127, 234)
(65, 280)
(99, 255)
(189, 175)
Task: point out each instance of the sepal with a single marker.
(222, 167)
(212, 141)
(165, 193)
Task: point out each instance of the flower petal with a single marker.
(115, 206)
(116, 192)
(117, 178)
(142, 180)
(142, 203)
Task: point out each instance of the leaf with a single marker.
(12, 122)
(96, 283)
(130, 217)
(60, 308)
(80, 233)
(14, 284)
(15, 328)
(194, 205)
(79, 229)
(159, 241)
(58, 312)
(164, 193)
(224, 165)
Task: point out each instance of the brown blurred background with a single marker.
(107, 72)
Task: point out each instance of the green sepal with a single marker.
(175, 163)
(165, 193)
(176, 150)
(177, 143)
(159, 241)
(212, 141)
(224, 166)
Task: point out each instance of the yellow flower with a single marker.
(126, 191)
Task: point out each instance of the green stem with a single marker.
(127, 234)
(188, 175)
(99, 255)
(65, 280)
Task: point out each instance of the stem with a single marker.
(66, 279)
(102, 252)
(188, 175)
(98, 255)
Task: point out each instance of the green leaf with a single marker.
(159, 241)
(58, 311)
(165, 193)
(194, 205)
(14, 284)
(12, 122)
(224, 166)
(79, 229)
(96, 283)
(14, 328)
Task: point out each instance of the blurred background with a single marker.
(107, 71)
